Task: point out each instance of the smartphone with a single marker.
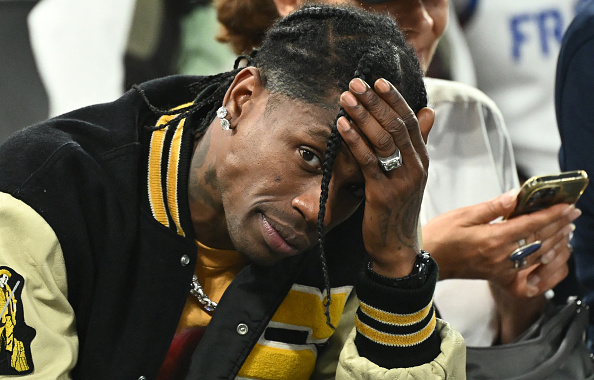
(541, 192)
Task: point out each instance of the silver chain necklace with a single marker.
(197, 291)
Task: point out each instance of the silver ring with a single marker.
(392, 162)
(519, 264)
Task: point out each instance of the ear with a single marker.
(246, 85)
(284, 7)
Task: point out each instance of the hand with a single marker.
(466, 244)
(383, 122)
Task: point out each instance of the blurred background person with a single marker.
(23, 100)
(575, 118)
(78, 47)
(514, 47)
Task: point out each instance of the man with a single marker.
(111, 214)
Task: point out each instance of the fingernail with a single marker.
(382, 85)
(359, 86)
(509, 198)
(575, 213)
(533, 280)
(569, 229)
(343, 124)
(547, 257)
(568, 209)
(349, 99)
(531, 292)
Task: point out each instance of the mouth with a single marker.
(279, 241)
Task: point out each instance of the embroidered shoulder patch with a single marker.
(15, 335)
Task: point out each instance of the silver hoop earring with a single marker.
(222, 115)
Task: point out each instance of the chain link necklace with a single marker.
(197, 291)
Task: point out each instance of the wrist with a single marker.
(414, 279)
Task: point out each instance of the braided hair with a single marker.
(312, 55)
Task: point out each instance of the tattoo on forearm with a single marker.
(407, 231)
(383, 224)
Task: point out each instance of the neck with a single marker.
(206, 206)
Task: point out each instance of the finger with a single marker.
(372, 116)
(486, 212)
(426, 117)
(359, 148)
(394, 99)
(546, 277)
(554, 243)
(562, 248)
(560, 224)
(538, 225)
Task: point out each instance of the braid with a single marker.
(211, 91)
(334, 143)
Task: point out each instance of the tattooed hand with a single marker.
(393, 198)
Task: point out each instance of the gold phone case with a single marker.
(544, 191)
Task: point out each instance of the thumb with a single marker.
(499, 206)
(425, 116)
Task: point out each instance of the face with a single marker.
(423, 22)
(271, 176)
(3, 280)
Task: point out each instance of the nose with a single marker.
(308, 203)
(416, 19)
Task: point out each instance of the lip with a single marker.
(276, 241)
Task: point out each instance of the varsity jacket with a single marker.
(96, 241)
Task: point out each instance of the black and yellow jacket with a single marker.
(96, 230)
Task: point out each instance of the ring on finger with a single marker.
(519, 264)
(520, 254)
(392, 162)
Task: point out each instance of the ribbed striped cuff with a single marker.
(396, 327)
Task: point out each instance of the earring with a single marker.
(222, 115)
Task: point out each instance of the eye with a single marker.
(310, 158)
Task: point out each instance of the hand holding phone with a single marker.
(542, 192)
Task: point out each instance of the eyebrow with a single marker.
(323, 134)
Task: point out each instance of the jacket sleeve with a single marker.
(449, 364)
(44, 326)
(396, 336)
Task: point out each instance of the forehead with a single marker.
(297, 114)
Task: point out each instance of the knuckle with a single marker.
(405, 145)
(384, 141)
(410, 120)
(395, 125)
(368, 159)
(363, 117)
(373, 101)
